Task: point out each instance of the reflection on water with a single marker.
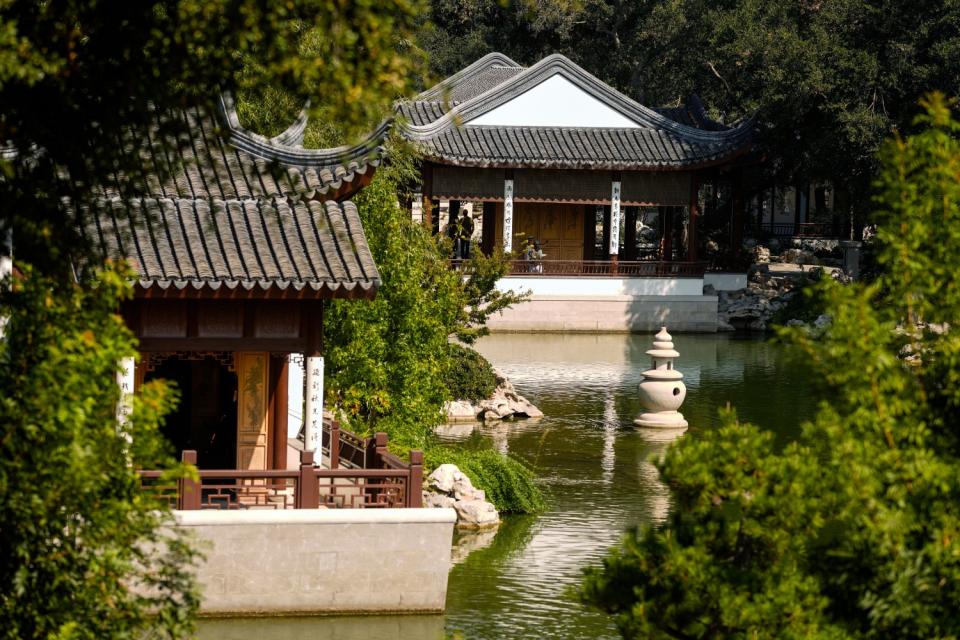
(323, 628)
(596, 465)
(596, 468)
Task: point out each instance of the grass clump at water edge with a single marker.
(509, 484)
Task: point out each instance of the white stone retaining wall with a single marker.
(726, 281)
(603, 286)
(313, 561)
(612, 313)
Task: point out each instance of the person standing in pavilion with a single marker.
(465, 233)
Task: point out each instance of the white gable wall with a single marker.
(555, 102)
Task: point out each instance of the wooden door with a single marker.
(572, 233)
(252, 414)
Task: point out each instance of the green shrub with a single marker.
(470, 376)
(509, 484)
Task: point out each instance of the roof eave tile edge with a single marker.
(694, 165)
(366, 151)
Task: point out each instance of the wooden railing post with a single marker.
(308, 492)
(334, 445)
(380, 447)
(188, 493)
(415, 480)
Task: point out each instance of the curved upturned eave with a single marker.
(274, 150)
(440, 90)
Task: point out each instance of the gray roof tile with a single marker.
(677, 138)
(241, 212)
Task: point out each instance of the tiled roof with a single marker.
(268, 245)
(443, 132)
(222, 160)
(587, 148)
(242, 212)
(692, 114)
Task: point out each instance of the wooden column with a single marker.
(630, 234)
(188, 489)
(773, 207)
(426, 178)
(279, 367)
(489, 230)
(737, 215)
(693, 246)
(453, 215)
(797, 199)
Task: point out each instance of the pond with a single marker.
(595, 467)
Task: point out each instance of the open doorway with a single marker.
(205, 420)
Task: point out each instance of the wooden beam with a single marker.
(692, 239)
(426, 180)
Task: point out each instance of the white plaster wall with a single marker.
(604, 286)
(725, 281)
(322, 561)
(555, 102)
(615, 314)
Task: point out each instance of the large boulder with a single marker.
(460, 410)
(445, 477)
(476, 514)
(799, 256)
(447, 486)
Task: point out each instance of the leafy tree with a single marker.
(389, 359)
(76, 530)
(85, 86)
(851, 531)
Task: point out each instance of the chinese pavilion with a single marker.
(235, 256)
(616, 195)
(555, 154)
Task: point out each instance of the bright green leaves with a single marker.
(77, 530)
(851, 530)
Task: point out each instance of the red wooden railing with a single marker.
(380, 480)
(621, 268)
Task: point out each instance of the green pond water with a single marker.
(595, 468)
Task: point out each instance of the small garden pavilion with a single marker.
(555, 154)
(235, 256)
(609, 188)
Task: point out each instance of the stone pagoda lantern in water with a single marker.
(662, 390)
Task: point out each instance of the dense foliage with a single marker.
(389, 359)
(851, 531)
(828, 80)
(83, 86)
(76, 530)
(470, 376)
(508, 483)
